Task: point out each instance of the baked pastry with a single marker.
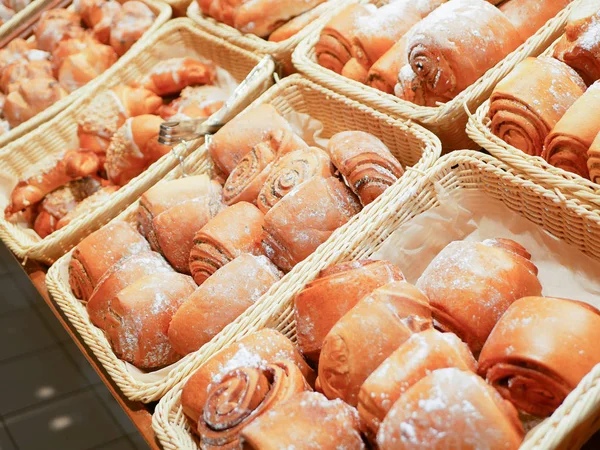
(254, 350)
(99, 252)
(56, 25)
(593, 161)
(195, 102)
(383, 74)
(87, 205)
(331, 425)
(224, 296)
(235, 230)
(420, 355)
(172, 75)
(70, 47)
(529, 102)
(30, 99)
(139, 315)
(540, 350)
(78, 69)
(294, 26)
(463, 273)
(528, 16)
(367, 165)
(122, 274)
(129, 24)
(343, 285)
(355, 71)
(305, 218)
(133, 148)
(22, 71)
(451, 408)
(99, 15)
(367, 334)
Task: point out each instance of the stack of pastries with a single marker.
(200, 252)
(118, 140)
(69, 49)
(428, 51)
(447, 363)
(545, 106)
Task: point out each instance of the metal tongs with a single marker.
(172, 133)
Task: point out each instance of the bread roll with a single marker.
(87, 205)
(528, 16)
(172, 75)
(78, 69)
(30, 99)
(69, 47)
(294, 26)
(56, 25)
(129, 24)
(99, 15)
(22, 71)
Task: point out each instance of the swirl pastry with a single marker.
(540, 350)
(367, 334)
(78, 69)
(528, 16)
(305, 218)
(413, 89)
(451, 408)
(235, 230)
(420, 355)
(471, 284)
(173, 75)
(138, 319)
(56, 25)
(22, 71)
(99, 252)
(355, 71)
(129, 24)
(254, 350)
(87, 205)
(290, 171)
(383, 75)
(195, 102)
(122, 274)
(331, 425)
(220, 300)
(343, 285)
(30, 99)
(241, 396)
(294, 26)
(367, 165)
(530, 101)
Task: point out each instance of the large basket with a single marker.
(411, 144)
(574, 421)
(281, 51)
(447, 121)
(177, 38)
(163, 14)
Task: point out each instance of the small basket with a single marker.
(411, 144)
(177, 38)
(447, 121)
(281, 51)
(573, 422)
(163, 14)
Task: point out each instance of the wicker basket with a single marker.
(176, 38)
(412, 145)
(163, 14)
(281, 51)
(574, 421)
(447, 121)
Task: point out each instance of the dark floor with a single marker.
(51, 397)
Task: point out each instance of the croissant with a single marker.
(420, 355)
(343, 285)
(56, 25)
(122, 274)
(451, 408)
(290, 171)
(30, 99)
(235, 230)
(195, 102)
(540, 350)
(133, 148)
(108, 111)
(99, 252)
(528, 16)
(22, 71)
(78, 69)
(139, 315)
(464, 274)
(257, 349)
(173, 75)
(367, 165)
(355, 71)
(367, 334)
(294, 26)
(331, 425)
(87, 205)
(129, 24)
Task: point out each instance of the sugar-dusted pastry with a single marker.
(129, 24)
(367, 334)
(56, 25)
(23, 70)
(331, 425)
(291, 170)
(133, 148)
(107, 112)
(355, 71)
(420, 355)
(528, 16)
(220, 300)
(99, 16)
(305, 218)
(256, 349)
(139, 315)
(172, 75)
(567, 144)
(235, 230)
(78, 69)
(451, 408)
(195, 102)
(294, 26)
(383, 74)
(471, 284)
(413, 89)
(529, 102)
(367, 165)
(87, 205)
(31, 98)
(122, 274)
(540, 350)
(99, 252)
(70, 47)
(343, 285)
